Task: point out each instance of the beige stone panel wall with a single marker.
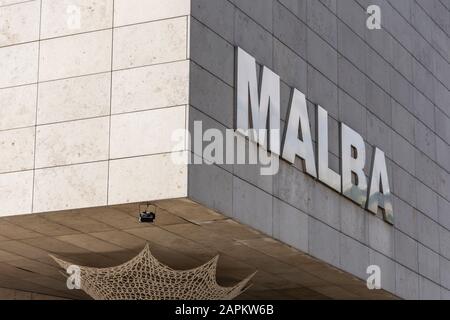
(63, 17)
(17, 150)
(104, 110)
(19, 23)
(72, 142)
(138, 11)
(150, 87)
(150, 43)
(75, 55)
(16, 190)
(18, 107)
(146, 179)
(18, 64)
(68, 187)
(74, 98)
(147, 132)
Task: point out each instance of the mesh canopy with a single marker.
(145, 278)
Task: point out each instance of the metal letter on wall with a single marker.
(258, 118)
(326, 175)
(293, 146)
(379, 191)
(353, 159)
(264, 107)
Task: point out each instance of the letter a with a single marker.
(293, 146)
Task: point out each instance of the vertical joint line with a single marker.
(36, 108)
(110, 104)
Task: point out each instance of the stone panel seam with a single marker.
(445, 5)
(402, 45)
(94, 73)
(363, 72)
(17, 3)
(36, 109)
(90, 31)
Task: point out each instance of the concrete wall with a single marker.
(390, 85)
(87, 109)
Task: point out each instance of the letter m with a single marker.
(257, 106)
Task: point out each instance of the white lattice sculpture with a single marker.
(145, 278)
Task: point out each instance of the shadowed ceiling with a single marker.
(184, 235)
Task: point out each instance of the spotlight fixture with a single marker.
(147, 215)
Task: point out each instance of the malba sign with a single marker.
(258, 118)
